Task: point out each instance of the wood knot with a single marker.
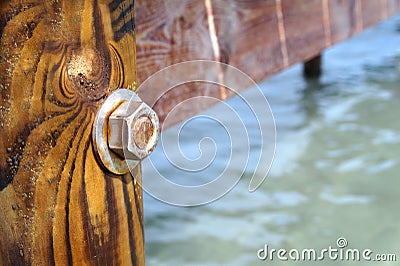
(89, 73)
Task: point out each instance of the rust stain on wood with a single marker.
(58, 61)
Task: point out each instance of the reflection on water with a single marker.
(336, 171)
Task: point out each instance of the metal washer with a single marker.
(111, 161)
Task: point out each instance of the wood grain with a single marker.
(260, 37)
(305, 37)
(170, 32)
(58, 62)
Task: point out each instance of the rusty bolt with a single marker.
(125, 131)
(133, 130)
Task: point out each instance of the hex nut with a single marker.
(133, 130)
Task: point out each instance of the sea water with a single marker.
(334, 182)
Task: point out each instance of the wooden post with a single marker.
(59, 60)
(312, 67)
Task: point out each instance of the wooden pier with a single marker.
(59, 61)
(260, 37)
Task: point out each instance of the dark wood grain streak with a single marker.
(59, 60)
(131, 226)
(67, 224)
(123, 22)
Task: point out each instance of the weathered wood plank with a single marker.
(58, 62)
(260, 37)
(239, 23)
(373, 12)
(305, 37)
(170, 32)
